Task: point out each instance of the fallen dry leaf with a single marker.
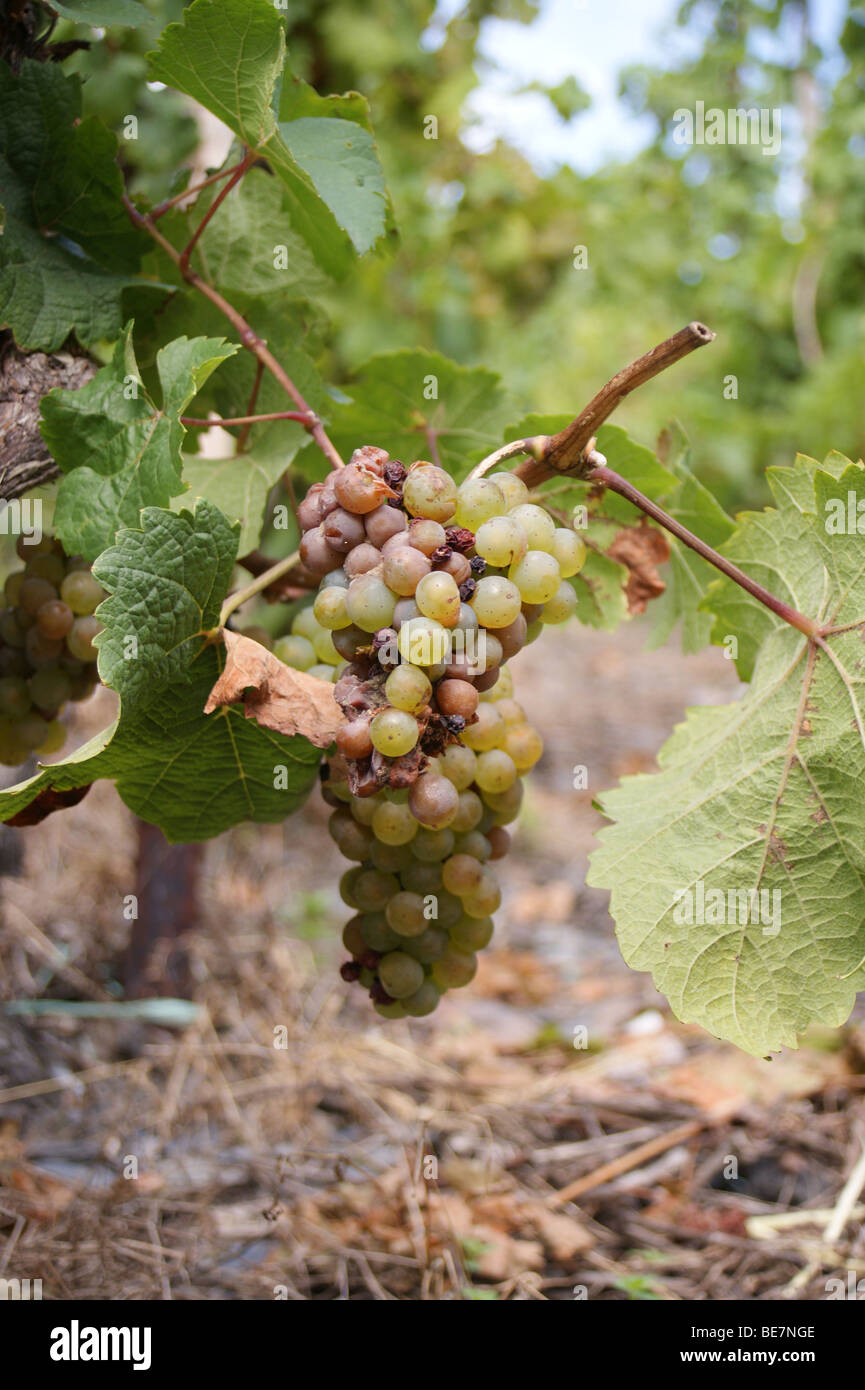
(641, 549)
(274, 695)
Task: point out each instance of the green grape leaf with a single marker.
(417, 404)
(193, 775)
(689, 575)
(102, 13)
(67, 248)
(118, 449)
(778, 558)
(737, 871)
(166, 583)
(238, 485)
(249, 248)
(229, 55)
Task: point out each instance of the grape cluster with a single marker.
(47, 655)
(425, 591)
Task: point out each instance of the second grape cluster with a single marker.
(425, 591)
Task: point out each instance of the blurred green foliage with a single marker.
(769, 251)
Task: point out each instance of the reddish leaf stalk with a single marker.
(247, 335)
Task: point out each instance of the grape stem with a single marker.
(566, 452)
(193, 192)
(600, 473)
(247, 335)
(261, 581)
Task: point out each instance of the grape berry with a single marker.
(47, 655)
(424, 591)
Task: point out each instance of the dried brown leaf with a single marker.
(641, 549)
(274, 695)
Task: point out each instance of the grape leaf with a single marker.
(249, 248)
(191, 774)
(166, 583)
(761, 795)
(102, 13)
(764, 550)
(238, 485)
(118, 449)
(689, 575)
(417, 404)
(67, 248)
(229, 54)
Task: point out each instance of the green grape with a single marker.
(400, 974)
(408, 688)
(49, 687)
(536, 576)
(424, 642)
(50, 567)
(354, 840)
(503, 688)
(13, 751)
(486, 898)
(538, 525)
(469, 812)
(455, 968)
(438, 597)
(81, 592)
(472, 933)
(501, 541)
(370, 603)
(12, 587)
(524, 745)
(562, 605)
(478, 500)
(33, 593)
(421, 876)
(54, 618)
(330, 607)
(15, 699)
(393, 823)
(496, 770)
(447, 908)
(488, 732)
(424, 1001)
(511, 712)
(11, 631)
(406, 915)
(496, 601)
(404, 569)
(305, 624)
(512, 488)
(55, 737)
(429, 492)
(42, 650)
(363, 808)
(504, 805)
(334, 579)
(474, 843)
(352, 937)
(429, 945)
(374, 890)
(392, 1010)
(322, 671)
(79, 638)
(432, 845)
(295, 651)
(32, 730)
(569, 550)
(347, 885)
(390, 858)
(458, 764)
(461, 874)
(393, 732)
(377, 935)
